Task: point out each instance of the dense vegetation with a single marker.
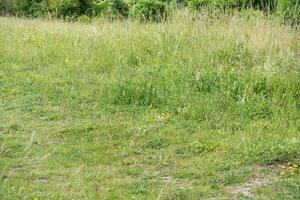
(192, 108)
(289, 10)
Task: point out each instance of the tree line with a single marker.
(154, 10)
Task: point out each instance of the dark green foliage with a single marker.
(144, 10)
(2, 6)
(289, 10)
(70, 7)
(41, 7)
(37, 8)
(112, 7)
(154, 10)
(14, 6)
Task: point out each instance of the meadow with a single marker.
(200, 106)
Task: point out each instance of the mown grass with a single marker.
(183, 109)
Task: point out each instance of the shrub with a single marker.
(70, 7)
(2, 6)
(112, 7)
(37, 8)
(153, 10)
(14, 6)
(40, 7)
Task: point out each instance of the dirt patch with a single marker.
(247, 189)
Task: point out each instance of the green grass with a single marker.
(184, 109)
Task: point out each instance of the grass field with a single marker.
(198, 107)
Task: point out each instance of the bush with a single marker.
(150, 10)
(37, 8)
(14, 6)
(41, 7)
(144, 10)
(112, 7)
(2, 6)
(70, 7)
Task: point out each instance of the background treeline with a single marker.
(155, 10)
